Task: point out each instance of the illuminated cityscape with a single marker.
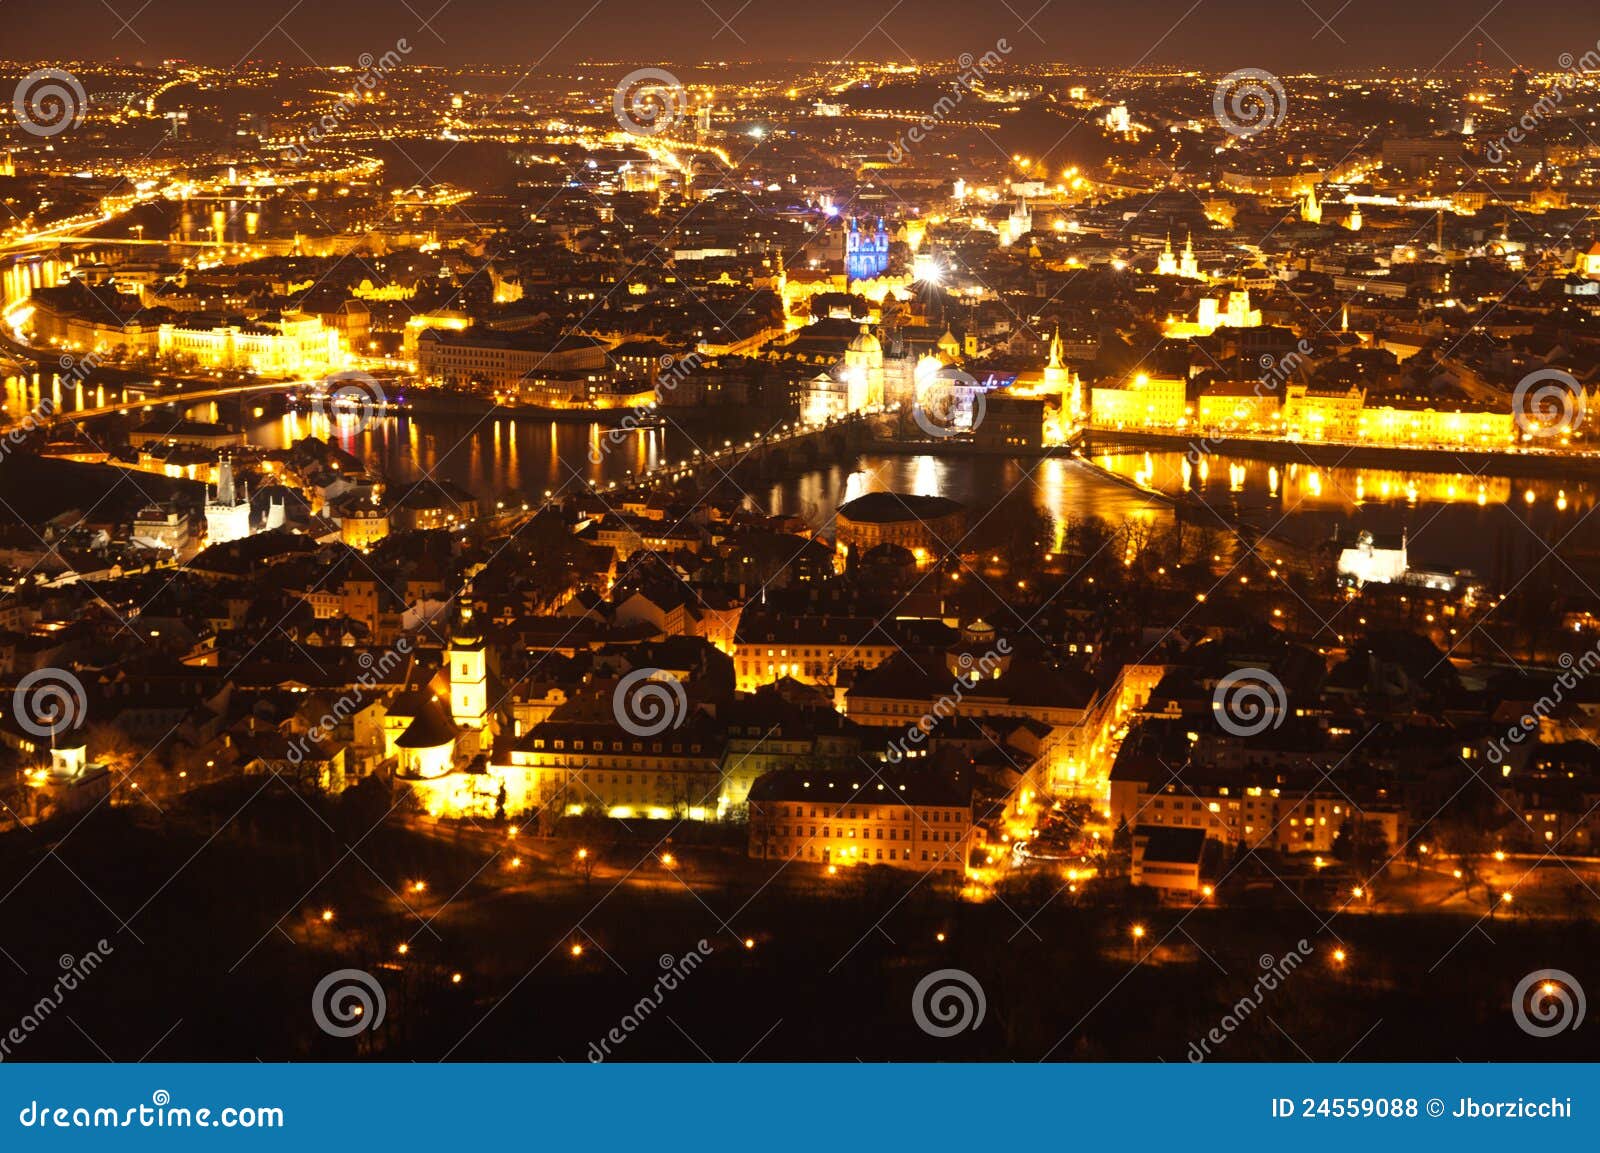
(1046, 529)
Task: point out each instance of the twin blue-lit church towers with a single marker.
(866, 254)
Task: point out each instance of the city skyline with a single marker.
(515, 549)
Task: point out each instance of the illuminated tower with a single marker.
(866, 255)
(469, 672)
(1188, 265)
(227, 512)
(1167, 263)
(1062, 381)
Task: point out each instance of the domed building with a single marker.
(928, 526)
(863, 372)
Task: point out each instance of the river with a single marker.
(1494, 526)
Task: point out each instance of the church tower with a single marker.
(1167, 263)
(469, 672)
(1188, 265)
(227, 512)
(1056, 376)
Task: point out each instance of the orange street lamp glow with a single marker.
(455, 978)
(403, 949)
(1138, 932)
(327, 914)
(576, 950)
(1338, 956)
(749, 942)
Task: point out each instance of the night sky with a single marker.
(1280, 35)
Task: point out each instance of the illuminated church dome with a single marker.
(865, 342)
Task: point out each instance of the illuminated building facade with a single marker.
(1212, 314)
(583, 766)
(363, 525)
(928, 525)
(907, 821)
(1144, 401)
(293, 344)
(1422, 424)
(1322, 414)
(811, 650)
(1241, 406)
(1291, 820)
(866, 254)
